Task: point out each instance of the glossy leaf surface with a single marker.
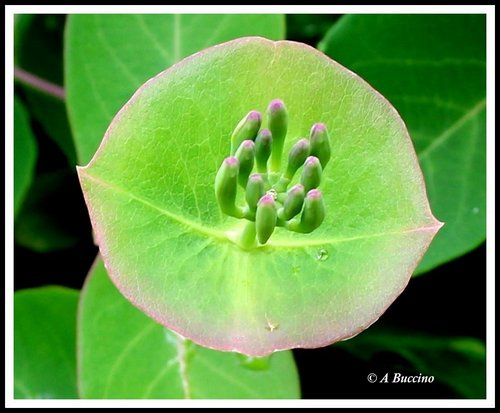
(125, 354)
(45, 343)
(150, 193)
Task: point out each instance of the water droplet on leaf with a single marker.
(322, 254)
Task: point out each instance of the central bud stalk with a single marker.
(255, 165)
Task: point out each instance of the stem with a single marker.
(275, 164)
(282, 184)
(274, 177)
(181, 344)
(247, 238)
(38, 83)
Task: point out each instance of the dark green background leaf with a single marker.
(433, 70)
(45, 343)
(25, 152)
(309, 28)
(125, 354)
(109, 56)
(48, 216)
(38, 50)
(458, 362)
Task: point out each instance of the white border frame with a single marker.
(223, 9)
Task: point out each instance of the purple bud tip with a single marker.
(266, 200)
(231, 161)
(248, 144)
(302, 142)
(276, 104)
(318, 127)
(314, 194)
(311, 160)
(254, 115)
(297, 188)
(265, 133)
(255, 178)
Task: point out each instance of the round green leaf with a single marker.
(125, 354)
(433, 70)
(150, 193)
(45, 343)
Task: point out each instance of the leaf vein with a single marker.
(227, 377)
(121, 358)
(220, 235)
(177, 37)
(445, 135)
(112, 53)
(154, 40)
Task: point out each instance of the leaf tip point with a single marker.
(81, 170)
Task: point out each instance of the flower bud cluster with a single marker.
(255, 165)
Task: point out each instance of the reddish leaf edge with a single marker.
(160, 319)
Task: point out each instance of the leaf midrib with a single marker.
(221, 235)
(180, 219)
(448, 132)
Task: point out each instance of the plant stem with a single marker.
(38, 83)
(282, 184)
(247, 238)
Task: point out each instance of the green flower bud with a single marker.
(226, 184)
(312, 215)
(320, 143)
(296, 157)
(245, 155)
(254, 191)
(278, 125)
(265, 218)
(293, 202)
(245, 130)
(263, 144)
(311, 174)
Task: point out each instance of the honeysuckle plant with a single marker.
(268, 203)
(257, 196)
